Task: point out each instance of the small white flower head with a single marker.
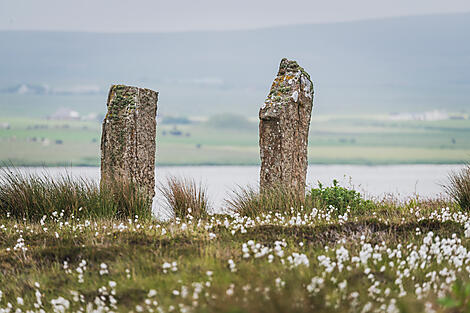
(103, 269)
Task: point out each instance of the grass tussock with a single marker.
(32, 196)
(248, 201)
(124, 199)
(459, 187)
(184, 196)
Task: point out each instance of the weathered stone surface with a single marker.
(128, 137)
(283, 129)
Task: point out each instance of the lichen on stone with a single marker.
(284, 124)
(128, 137)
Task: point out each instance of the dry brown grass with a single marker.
(250, 202)
(184, 196)
(459, 187)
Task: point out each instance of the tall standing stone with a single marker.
(128, 137)
(283, 129)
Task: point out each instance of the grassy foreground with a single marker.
(393, 258)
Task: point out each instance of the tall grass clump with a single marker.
(458, 187)
(124, 199)
(183, 196)
(248, 201)
(32, 196)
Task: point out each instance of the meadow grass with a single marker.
(287, 261)
(330, 252)
(34, 196)
(276, 254)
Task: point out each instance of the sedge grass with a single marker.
(458, 187)
(185, 197)
(32, 196)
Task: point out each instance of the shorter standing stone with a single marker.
(283, 129)
(128, 138)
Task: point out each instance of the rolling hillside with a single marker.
(377, 66)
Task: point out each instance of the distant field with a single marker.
(333, 140)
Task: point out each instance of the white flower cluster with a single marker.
(297, 259)
(232, 266)
(257, 250)
(80, 270)
(173, 266)
(103, 269)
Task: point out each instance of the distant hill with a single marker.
(389, 65)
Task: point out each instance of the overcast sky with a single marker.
(184, 15)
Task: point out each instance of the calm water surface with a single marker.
(374, 181)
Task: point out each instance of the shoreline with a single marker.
(6, 164)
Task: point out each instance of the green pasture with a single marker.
(333, 140)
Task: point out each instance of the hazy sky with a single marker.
(183, 15)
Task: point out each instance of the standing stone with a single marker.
(283, 129)
(128, 137)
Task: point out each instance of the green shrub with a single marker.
(459, 187)
(31, 196)
(339, 197)
(248, 201)
(185, 197)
